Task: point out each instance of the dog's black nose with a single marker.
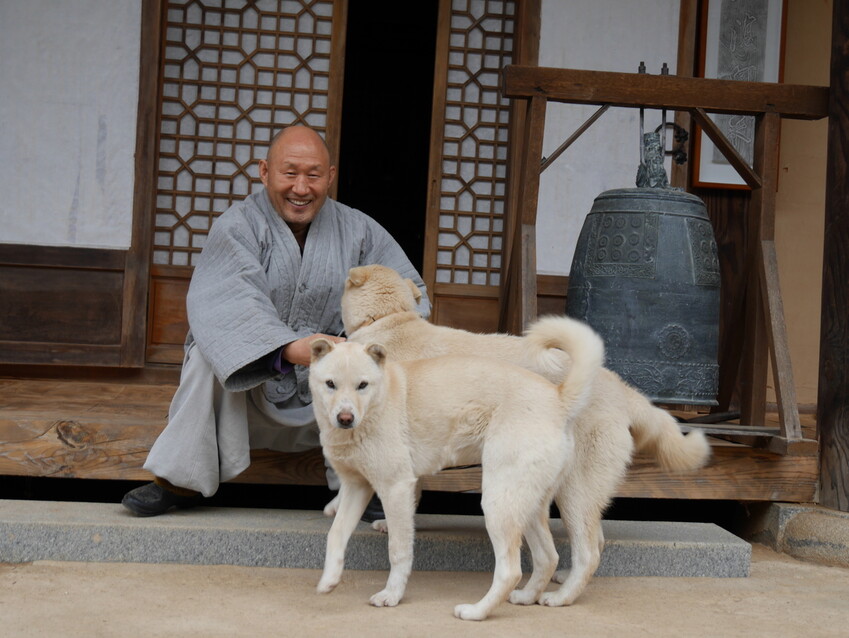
(345, 419)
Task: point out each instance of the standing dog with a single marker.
(383, 424)
(379, 306)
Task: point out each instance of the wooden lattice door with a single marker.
(232, 74)
(468, 169)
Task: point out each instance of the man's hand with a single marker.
(298, 352)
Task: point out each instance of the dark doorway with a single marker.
(386, 112)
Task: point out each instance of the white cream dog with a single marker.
(379, 306)
(383, 424)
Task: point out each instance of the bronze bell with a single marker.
(645, 275)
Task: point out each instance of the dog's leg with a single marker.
(502, 514)
(399, 506)
(587, 541)
(380, 524)
(353, 499)
(508, 573)
(544, 555)
(333, 506)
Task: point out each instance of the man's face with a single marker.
(297, 176)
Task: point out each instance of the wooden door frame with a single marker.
(137, 281)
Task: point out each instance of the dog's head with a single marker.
(375, 291)
(345, 381)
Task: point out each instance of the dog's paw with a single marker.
(332, 507)
(380, 526)
(385, 598)
(522, 597)
(469, 612)
(560, 576)
(553, 599)
(326, 585)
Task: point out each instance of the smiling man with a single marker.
(268, 281)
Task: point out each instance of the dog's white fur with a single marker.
(383, 424)
(379, 306)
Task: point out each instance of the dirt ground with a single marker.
(781, 597)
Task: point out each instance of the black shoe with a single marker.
(153, 500)
(374, 511)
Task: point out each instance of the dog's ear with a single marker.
(319, 347)
(357, 276)
(417, 294)
(377, 352)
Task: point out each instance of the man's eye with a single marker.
(363, 385)
(330, 384)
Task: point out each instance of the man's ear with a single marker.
(263, 172)
(417, 294)
(377, 352)
(357, 276)
(319, 347)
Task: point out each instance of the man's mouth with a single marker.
(300, 203)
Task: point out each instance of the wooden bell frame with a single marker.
(765, 329)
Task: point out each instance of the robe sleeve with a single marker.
(230, 312)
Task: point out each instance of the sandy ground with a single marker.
(782, 597)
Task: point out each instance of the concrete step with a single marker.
(97, 532)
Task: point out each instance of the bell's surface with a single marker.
(645, 276)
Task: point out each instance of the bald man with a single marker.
(268, 281)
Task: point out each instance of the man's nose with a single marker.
(301, 185)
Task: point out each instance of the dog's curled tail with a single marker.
(584, 347)
(656, 432)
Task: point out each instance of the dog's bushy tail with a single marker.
(656, 432)
(585, 348)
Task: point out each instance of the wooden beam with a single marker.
(546, 161)
(685, 67)
(782, 370)
(534, 133)
(726, 148)
(833, 392)
(528, 25)
(528, 203)
(665, 91)
(520, 270)
(761, 226)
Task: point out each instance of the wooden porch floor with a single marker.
(104, 429)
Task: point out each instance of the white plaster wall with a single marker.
(601, 35)
(68, 103)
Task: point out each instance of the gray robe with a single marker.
(252, 291)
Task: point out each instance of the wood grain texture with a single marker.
(104, 430)
(833, 392)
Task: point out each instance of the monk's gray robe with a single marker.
(251, 293)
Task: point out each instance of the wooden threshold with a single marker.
(103, 430)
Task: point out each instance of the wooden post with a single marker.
(526, 52)
(833, 392)
(761, 226)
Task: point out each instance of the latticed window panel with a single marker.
(474, 148)
(235, 72)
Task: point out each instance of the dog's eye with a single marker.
(330, 384)
(363, 385)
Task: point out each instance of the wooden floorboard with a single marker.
(100, 430)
